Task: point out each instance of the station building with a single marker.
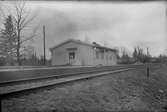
(76, 52)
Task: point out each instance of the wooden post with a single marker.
(148, 74)
(44, 44)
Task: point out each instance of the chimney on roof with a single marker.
(94, 43)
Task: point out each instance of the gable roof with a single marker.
(83, 43)
(71, 40)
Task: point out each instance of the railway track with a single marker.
(31, 75)
(93, 70)
(9, 91)
(61, 79)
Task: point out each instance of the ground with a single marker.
(126, 91)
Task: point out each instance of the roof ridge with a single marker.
(82, 42)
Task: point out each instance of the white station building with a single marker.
(76, 52)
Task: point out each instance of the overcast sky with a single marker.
(114, 24)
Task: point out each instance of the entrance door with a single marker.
(71, 57)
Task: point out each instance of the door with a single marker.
(71, 58)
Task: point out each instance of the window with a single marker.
(106, 57)
(111, 57)
(72, 55)
(97, 55)
(102, 55)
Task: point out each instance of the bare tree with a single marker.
(139, 55)
(22, 19)
(124, 55)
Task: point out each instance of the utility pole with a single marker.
(148, 55)
(148, 69)
(44, 45)
(148, 51)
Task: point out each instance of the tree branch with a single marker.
(34, 33)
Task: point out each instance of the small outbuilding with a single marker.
(76, 52)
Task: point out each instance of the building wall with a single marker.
(84, 55)
(105, 58)
(112, 58)
(60, 55)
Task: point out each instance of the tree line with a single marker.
(13, 37)
(139, 56)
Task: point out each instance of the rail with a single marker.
(3, 83)
(20, 76)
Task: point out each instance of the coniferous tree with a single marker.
(8, 41)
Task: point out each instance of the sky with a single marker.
(113, 24)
